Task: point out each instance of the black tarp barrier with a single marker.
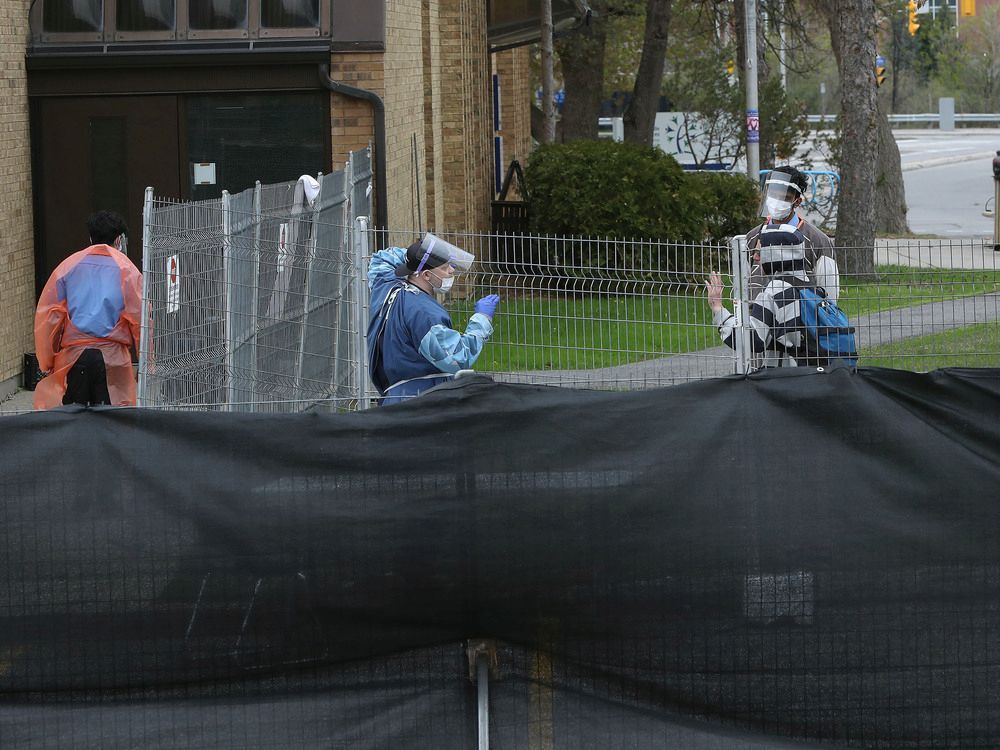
(783, 560)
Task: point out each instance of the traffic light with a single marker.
(914, 23)
(879, 71)
(966, 8)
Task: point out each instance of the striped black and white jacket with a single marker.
(776, 331)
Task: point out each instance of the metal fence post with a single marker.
(254, 300)
(740, 265)
(483, 700)
(227, 317)
(360, 242)
(306, 295)
(147, 279)
(479, 654)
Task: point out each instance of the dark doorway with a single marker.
(98, 152)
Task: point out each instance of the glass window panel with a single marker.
(109, 164)
(62, 16)
(145, 15)
(285, 14)
(217, 14)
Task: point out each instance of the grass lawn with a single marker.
(540, 331)
(901, 286)
(972, 346)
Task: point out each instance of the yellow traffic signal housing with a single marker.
(914, 22)
(966, 8)
(879, 75)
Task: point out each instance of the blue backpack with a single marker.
(828, 331)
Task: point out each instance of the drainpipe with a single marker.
(381, 205)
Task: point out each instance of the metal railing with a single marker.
(254, 298)
(926, 118)
(259, 327)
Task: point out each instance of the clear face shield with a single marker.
(431, 253)
(779, 195)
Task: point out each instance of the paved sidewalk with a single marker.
(966, 254)
(17, 403)
(872, 330)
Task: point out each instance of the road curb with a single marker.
(941, 161)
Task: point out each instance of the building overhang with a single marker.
(515, 23)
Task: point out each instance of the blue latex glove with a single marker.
(488, 305)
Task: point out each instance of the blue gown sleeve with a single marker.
(451, 351)
(382, 266)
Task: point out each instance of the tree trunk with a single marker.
(548, 85)
(538, 125)
(581, 56)
(852, 33)
(890, 193)
(640, 115)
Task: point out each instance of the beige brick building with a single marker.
(69, 78)
(17, 260)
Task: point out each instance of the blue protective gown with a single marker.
(411, 344)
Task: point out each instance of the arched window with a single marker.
(171, 21)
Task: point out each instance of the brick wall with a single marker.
(404, 113)
(512, 67)
(463, 171)
(17, 265)
(434, 78)
(433, 192)
(352, 121)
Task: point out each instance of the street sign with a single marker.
(753, 126)
(879, 70)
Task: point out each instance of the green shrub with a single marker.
(603, 189)
(729, 203)
(607, 189)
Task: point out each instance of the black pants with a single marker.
(87, 380)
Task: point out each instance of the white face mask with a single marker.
(777, 208)
(445, 283)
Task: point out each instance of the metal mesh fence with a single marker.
(273, 303)
(255, 297)
(614, 314)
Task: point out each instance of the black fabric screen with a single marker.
(782, 560)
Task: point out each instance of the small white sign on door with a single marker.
(204, 173)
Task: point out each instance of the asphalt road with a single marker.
(948, 176)
(949, 200)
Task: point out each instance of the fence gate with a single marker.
(254, 298)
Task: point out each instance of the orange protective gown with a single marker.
(59, 343)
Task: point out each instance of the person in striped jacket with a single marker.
(775, 327)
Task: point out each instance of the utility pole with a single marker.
(548, 84)
(753, 115)
(782, 52)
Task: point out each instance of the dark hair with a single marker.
(800, 180)
(415, 255)
(105, 227)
